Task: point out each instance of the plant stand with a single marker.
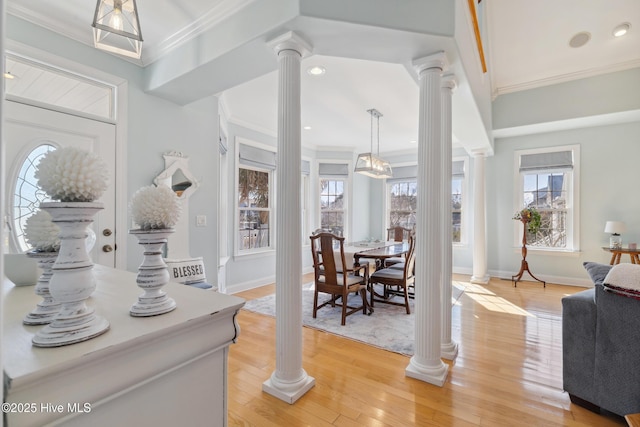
(524, 266)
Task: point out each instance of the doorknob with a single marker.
(106, 232)
(107, 248)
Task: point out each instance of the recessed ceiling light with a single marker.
(307, 128)
(316, 70)
(621, 29)
(9, 76)
(413, 141)
(580, 39)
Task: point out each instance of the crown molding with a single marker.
(252, 126)
(219, 13)
(150, 53)
(564, 78)
(622, 117)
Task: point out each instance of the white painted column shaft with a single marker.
(480, 274)
(449, 348)
(426, 364)
(2, 166)
(289, 381)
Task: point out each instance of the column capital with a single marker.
(479, 152)
(449, 81)
(290, 41)
(437, 60)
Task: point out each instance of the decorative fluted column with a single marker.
(3, 236)
(426, 364)
(480, 274)
(289, 381)
(449, 348)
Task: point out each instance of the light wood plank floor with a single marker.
(508, 371)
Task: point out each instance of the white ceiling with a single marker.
(528, 46)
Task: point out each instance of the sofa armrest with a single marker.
(617, 352)
(579, 316)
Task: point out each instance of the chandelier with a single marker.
(369, 164)
(116, 27)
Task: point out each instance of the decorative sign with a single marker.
(186, 271)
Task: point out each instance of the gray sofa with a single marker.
(601, 347)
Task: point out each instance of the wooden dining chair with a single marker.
(398, 233)
(331, 281)
(395, 281)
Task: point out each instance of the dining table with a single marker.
(376, 251)
(390, 250)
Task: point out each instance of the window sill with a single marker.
(258, 253)
(553, 252)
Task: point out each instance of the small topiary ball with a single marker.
(155, 207)
(41, 233)
(70, 174)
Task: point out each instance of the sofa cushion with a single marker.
(597, 272)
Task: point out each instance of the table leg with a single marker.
(613, 259)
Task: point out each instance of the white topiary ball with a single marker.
(41, 233)
(70, 174)
(155, 207)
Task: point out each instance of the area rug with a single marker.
(389, 327)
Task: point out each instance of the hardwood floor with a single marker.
(508, 371)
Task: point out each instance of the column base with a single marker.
(436, 376)
(480, 280)
(288, 392)
(449, 351)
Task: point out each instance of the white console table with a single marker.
(164, 370)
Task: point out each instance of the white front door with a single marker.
(27, 127)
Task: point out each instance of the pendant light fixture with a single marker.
(369, 164)
(116, 27)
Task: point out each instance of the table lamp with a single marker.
(615, 228)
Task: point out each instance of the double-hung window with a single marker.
(402, 193)
(548, 179)
(402, 197)
(256, 167)
(333, 197)
(458, 185)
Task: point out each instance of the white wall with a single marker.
(608, 191)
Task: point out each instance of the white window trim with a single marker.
(237, 253)
(348, 191)
(573, 198)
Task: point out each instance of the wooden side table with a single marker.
(633, 420)
(616, 254)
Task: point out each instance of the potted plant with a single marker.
(530, 217)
